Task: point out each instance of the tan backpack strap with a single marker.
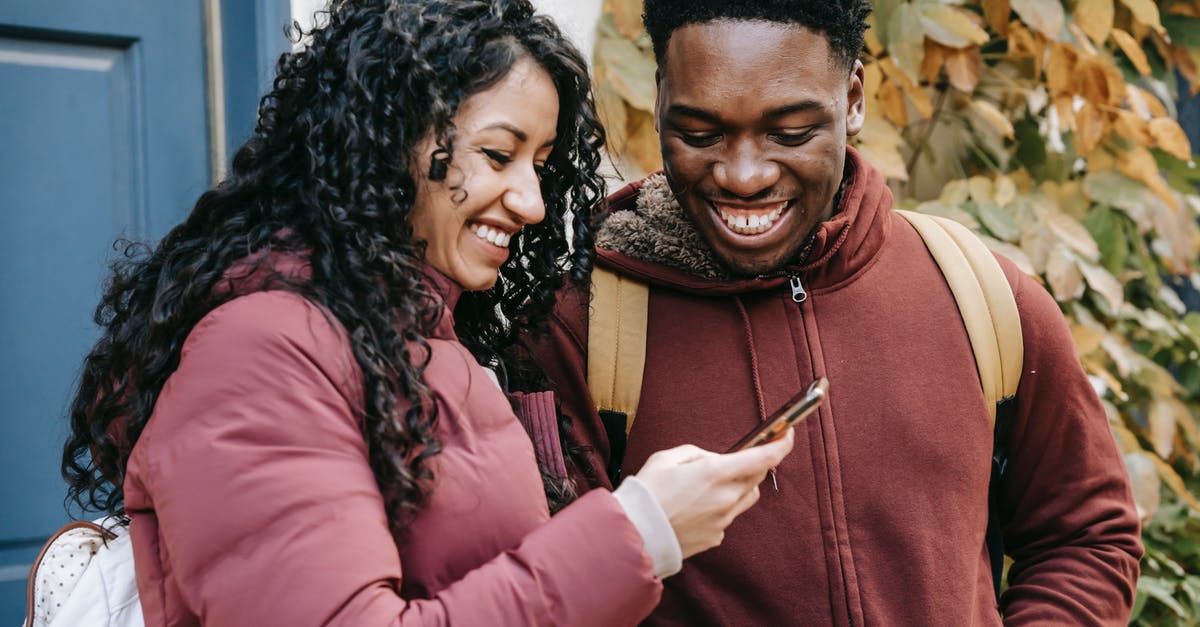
(617, 342)
(985, 302)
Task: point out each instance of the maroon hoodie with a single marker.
(253, 502)
(881, 509)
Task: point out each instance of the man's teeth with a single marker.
(744, 223)
(485, 232)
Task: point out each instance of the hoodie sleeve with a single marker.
(1066, 505)
(267, 511)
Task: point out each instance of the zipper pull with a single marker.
(798, 293)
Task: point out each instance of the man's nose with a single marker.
(745, 170)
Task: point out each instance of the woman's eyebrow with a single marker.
(516, 132)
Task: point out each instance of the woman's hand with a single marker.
(702, 492)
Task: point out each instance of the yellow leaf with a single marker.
(627, 15)
(879, 143)
(1133, 128)
(631, 73)
(891, 102)
(997, 12)
(1169, 136)
(643, 142)
(1144, 103)
(1060, 71)
(1130, 47)
(1045, 16)
(1095, 17)
(1104, 284)
(980, 188)
(611, 108)
(1175, 482)
(1022, 42)
(993, 117)
(1063, 275)
(1099, 81)
(963, 67)
(1119, 353)
(871, 37)
(935, 56)
(1126, 440)
(1014, 253)
(1006, 190)
(1073, 234)
(1145, 12)
(1144, 479)
(872, 78)
(955, 193)
(1137, 163)
(1166, 413)
(1087, 339)
(950, 26)
(1089, 127)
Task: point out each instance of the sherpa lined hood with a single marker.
(648, 236)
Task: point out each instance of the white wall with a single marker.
(577, 18)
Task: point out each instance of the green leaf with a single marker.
(1116, 190)
(906, 37)
(1183, 29)
(998, 221)
(1106, 228)
(1162, 592)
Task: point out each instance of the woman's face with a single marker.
(504, 136)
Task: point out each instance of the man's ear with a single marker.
(657, 97)
(856, 100)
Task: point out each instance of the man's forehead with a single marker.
(749, 59)
(767, 51)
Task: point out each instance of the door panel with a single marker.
(103, 133)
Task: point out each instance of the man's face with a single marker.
(753, 119)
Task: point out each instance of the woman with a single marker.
(284, 399)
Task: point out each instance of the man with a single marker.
(773, 258)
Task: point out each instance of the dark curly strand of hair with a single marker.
(843, 21)
(328, 175)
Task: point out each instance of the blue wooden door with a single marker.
(103, 132)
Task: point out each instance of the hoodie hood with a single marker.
(648, 236)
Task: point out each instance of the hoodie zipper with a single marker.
(800, 296)
(798, 293)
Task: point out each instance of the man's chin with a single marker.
(750, 265)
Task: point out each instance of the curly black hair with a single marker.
(843, 21)
(328, 174)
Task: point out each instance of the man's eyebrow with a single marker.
(676, 110)
(708, 116)
(516, 132)
(795, 107)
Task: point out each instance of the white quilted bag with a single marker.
(83, 577)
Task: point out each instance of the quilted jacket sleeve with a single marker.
(1066, 505)
(562, 355)
(268, 513)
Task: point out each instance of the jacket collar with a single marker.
(449, 291)
(651, 238)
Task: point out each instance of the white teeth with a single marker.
(754, 224)
(491, 235)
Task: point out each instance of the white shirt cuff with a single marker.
(658, 537)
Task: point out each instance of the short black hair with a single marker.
(843, 21)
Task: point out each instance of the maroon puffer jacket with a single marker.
(253, 502)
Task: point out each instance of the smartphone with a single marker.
(792, 412)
